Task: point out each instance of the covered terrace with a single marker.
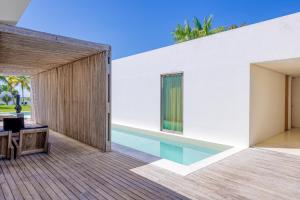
(70, 81)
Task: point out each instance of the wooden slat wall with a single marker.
(72, 100)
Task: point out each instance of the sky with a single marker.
(134, 26)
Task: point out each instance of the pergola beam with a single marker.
(40, 51)
(52, 37)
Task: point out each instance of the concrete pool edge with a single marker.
(184, 170)
(174, 167)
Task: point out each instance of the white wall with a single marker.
(216, 79)
(267, 103)
(296, 102)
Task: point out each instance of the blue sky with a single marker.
(133, 26)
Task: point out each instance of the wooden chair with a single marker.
(6, 149)
(13, 125)
(33, 140)
(26, 139)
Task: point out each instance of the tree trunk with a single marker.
(22, 94)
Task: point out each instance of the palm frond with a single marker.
(185, 32)
(207, 24)
(197, 24)
(179, 33)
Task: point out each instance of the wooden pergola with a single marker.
(70, 81)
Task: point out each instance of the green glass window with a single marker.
(172, 102)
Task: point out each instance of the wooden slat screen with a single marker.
(72, 100)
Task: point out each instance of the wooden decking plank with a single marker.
(241, 176)
(162, 176)
(106, 178)
(128, 181)
(40, 178)
(40, 190)
(173, 182)
(111, 175)
(12, 185)
(111, 190)
(233, 189)
(1, 194)
(120, 162)
(26, 181)
(18, 180)
(114, 188)
(60, 189)
(89, 191)
(161, 189)
(46, 178)
(4, 185)
(62, 182)
(211, 188)
(69, 182)
(73, 179)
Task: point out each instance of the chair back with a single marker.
(13, 124)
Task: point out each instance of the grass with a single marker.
(11, 108)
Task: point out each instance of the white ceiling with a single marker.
(287, 66)
(12, 10)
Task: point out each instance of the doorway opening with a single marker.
(275, 105)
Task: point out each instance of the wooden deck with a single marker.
(76, 171)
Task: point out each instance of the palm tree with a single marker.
(207, 24)
(6, 98)
(3, 79)
(4, 88)
(185, 32)
(24, 82)
(3, 84)
(11, 83)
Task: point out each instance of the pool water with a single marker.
(178, 152)
(26, 114)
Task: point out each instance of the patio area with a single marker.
(74, 170)
(70, 89)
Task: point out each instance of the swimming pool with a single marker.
(182, 152)
(26, 114)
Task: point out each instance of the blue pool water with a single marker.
(182, 153)
(26, 114)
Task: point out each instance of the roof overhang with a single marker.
(12, 10)
(28, 52)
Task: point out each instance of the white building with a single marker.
(239, 87)
(12, 10)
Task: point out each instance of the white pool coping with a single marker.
(181, 169)
(184, 170)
